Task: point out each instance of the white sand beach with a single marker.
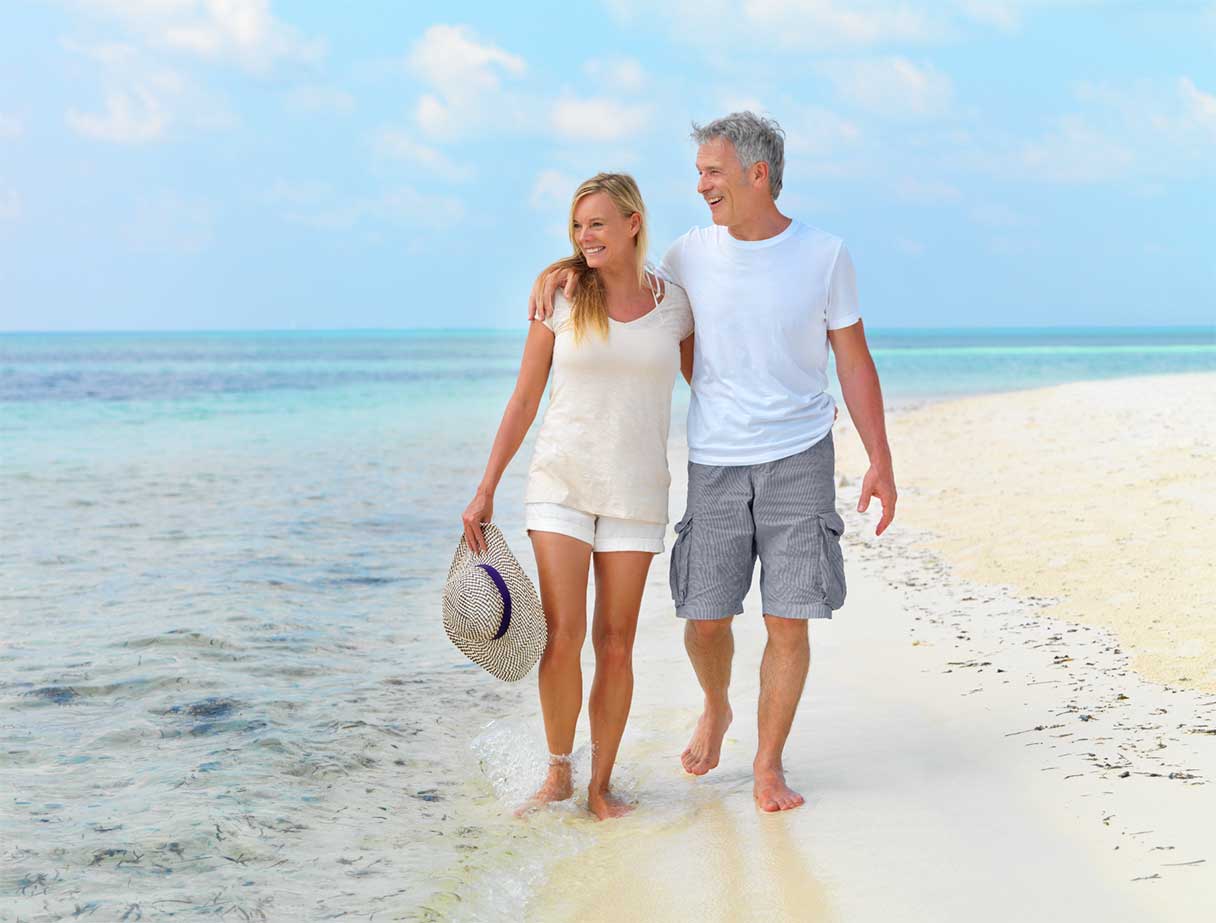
(985, 732)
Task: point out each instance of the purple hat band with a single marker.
(506, 598)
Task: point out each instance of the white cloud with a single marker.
(434, 117)
(817, 131)
(552, 190)
(452, 59)
(833, 25)
(926, 192)
(893, 87)
(244, 32)
(319, 206)
(141, 101)
(598, 119)
(1075, 151)
(130, 117)
(320, 99)
(1009, 15)
(1145, 131)
(464, 76)
(1200, 107)
(1006, 15)
(620, 74)
(11, 126)
(393, 142)
(405, 206)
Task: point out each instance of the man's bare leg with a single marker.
(620, 579)
(711, 647)
(563, 564)
(787, 658)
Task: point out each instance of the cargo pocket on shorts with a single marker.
(831, 560)
(680, 556)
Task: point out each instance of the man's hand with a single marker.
(540, 302)
(881, 484)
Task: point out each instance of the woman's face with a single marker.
(603, 235)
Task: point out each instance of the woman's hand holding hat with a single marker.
(480, 510)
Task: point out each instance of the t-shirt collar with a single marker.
(725, 235)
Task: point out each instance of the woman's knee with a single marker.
(565, 642)
(614, 650)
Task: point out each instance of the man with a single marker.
(769, 294)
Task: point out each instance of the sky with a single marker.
(243, 164)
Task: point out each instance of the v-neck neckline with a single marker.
(641, 317)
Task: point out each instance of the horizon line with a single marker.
(307, 330)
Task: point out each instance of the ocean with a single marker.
(225, 687)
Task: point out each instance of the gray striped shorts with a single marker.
(783, 512)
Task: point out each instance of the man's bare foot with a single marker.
(702, 753)
(604, 804)
(771, 792)
(556, 787)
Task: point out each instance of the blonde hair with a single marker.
(590, 308)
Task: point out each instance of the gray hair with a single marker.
(755, 139)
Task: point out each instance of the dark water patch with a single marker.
(177, 637)
(366, 580)
(136, 687)
(213, 728)
(32, 884)
(119, 386)
(211, 708)
(55, 695)
(351, 724)
(14, 759)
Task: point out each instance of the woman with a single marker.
(597, 486)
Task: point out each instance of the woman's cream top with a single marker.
(602, 446)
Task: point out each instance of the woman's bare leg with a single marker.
(620, 579)
(562, 563)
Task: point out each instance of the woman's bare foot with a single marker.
(702, 753)
(771, 792)
(604, 804)
(557, 786)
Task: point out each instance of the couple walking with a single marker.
(768, 295)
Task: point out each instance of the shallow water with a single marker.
(223, 686)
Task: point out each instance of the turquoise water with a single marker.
(224, 687)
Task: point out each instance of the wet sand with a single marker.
(966, 751)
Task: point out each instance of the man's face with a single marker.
(723, 183)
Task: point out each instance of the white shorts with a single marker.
(602, 533)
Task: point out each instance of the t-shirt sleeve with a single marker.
(843, 309)
(681, 312)
(671, 267)
(561, 308)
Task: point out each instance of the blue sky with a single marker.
(218, 164)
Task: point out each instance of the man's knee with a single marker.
(786, 631)
(708, 629)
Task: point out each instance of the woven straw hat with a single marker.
(491, 611)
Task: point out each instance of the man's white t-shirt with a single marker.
(763, 310)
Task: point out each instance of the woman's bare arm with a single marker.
(516, 419)
(686, 357)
